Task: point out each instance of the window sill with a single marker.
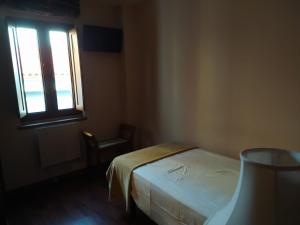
(51, 122)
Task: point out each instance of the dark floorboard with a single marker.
(80, 200)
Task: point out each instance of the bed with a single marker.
(184, 188)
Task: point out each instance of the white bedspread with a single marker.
(185, 188)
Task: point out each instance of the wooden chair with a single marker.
(110, 148)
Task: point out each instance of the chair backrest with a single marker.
(127, 132)
(89, 139)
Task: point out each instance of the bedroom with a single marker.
(219, 75)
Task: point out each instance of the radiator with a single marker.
(58, 144)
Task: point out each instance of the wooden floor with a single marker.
(80, 200)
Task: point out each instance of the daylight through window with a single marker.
(46, 67)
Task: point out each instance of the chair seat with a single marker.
(111, 142)
(103, 151)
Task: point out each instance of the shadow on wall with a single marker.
(221, 75)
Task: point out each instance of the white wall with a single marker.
(223, 75)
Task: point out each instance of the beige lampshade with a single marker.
(268, 191)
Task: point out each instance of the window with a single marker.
(45, 59)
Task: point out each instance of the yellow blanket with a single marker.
(119, 171)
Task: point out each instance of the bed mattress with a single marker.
(185, 188)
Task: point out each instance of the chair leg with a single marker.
(98, 158)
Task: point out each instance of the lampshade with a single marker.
(268, 190)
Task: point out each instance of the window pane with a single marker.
(61, 64)
(31, 68)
